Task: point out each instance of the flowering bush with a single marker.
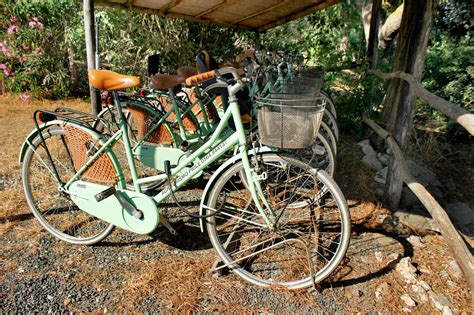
(33, 57)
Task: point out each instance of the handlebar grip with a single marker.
(201, 77)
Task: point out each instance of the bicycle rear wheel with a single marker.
(55, 210)
(310, 237)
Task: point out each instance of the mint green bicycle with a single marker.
(272, 219)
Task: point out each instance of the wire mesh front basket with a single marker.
(289, 121)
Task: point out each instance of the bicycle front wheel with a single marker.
(308, 240)
(55, 210)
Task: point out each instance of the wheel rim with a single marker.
(280, 258)
(54, 209)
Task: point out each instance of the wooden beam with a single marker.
(453, 111)
(261, 12)
(221, 5)
(170, 15)
(294, 16)
(455, 242)
(169, 5)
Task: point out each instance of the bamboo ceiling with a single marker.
(256, 15)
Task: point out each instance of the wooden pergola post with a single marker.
(89, 28)
(399, 103)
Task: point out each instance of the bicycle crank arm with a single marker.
(137, 214)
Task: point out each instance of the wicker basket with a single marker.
(79, 144)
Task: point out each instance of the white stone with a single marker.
(455, 270)
(447, 310)
(407, 270)
(416, 241)
(372, 162)
(381, 176)
(420, 292)
(408, 300)
(424, 285)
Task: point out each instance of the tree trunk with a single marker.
(90, 51)
(372, 44)
(390, 28)
(366, 14)
(399, 103)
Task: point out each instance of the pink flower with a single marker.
(38, 51)
(3, 66)
(40, 25)
(21, 59)
(24, 47)
(6, 52)
(14, 20)
(7, 72)
(32, 24)
(12, 29)
(24, 96)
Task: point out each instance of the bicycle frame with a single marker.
(214, 146)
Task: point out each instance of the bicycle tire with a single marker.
(236, 231)
(56, 212)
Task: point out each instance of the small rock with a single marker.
(425, 271)
(368, 150)
(357, 293)
(67, 301)
(381, 290)
(406, 310)
(425, 285)
(416, 241)
(444, 274)
(455, 270)
(420, 292)
(21, 270)
(407, 270)
(447, 310)
(363, 143)
(50, 297)
(372, 162)
(384, 158)
(381, 176)
(444, 300)
(408, 300)
(416, 221)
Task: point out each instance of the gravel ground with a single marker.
(160, 272)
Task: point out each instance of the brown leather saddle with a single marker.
(111, 81)
(167, 81)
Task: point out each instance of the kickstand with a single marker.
(167, 225)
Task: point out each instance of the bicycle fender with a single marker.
(33, 134)
(218, 172)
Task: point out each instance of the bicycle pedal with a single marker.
(105, 194)
(319, 150)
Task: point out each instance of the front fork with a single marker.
(253, 178)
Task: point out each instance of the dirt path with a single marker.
(159, 272)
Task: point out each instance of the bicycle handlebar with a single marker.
(201, 77)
